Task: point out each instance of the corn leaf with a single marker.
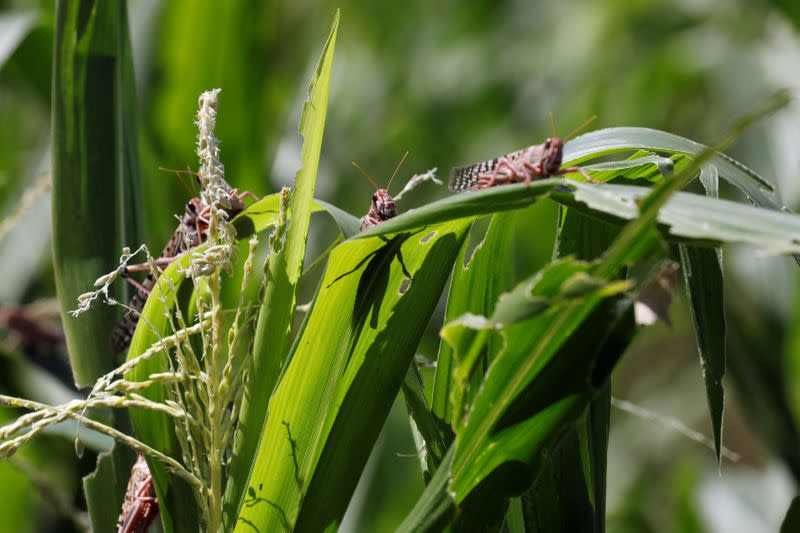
(344, 374)
(282, 270)
(95, 168)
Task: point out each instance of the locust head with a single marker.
(383, 205)
(552, 154)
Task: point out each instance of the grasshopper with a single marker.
(192, 231)
(383, 205)
(140, 506)
(532, 163)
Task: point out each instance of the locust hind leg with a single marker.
(581, 170)
(503, 164)
(145, 267)
(138, 286)
(531, 172)
(245, 194)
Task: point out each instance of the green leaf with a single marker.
(430, 438)
(569, 493)
(467, 206)
(692, 217)
(354, 352)
(686, 217)
(87, 158)
(549, 370)
(95, 166)
(474, 289)
(154, 428)
(496, 418)
(702, 274)
(283, 270)
(611, 140)
(106, 505)
(519, 437)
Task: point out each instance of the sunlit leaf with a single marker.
(283, 269)
(349, 364)
(474, 289)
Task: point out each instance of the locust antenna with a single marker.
(553, 123)
(360, 169)
(579, 127)
(179, 173)
(400, 164)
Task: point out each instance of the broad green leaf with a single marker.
(475, 287)
(279, 298)
(536, 387)
(349, 363)
(94, 171)
(106, 509)
(87, 158)
(685, 217)
(702, 274)
(154, 428)
(569, 493)
(527, 428)
(693, 217)
(467, 206)
(532, 341)
(608, 141)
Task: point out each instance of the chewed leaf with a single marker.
(611, 140)
(695, 217)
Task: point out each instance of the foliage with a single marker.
(255, 417)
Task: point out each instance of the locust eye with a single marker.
(191, 207)
(375, 197)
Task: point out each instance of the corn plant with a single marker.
(251, 418)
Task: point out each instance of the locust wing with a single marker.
(466, 177)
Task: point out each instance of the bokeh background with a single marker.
(451, 82)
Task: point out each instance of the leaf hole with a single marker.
(428, 237)
(404, 285)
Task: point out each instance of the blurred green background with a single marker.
(452, 83)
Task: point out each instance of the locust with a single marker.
(535, 162)
(140, 506)
(192, 231)
(382, 209)
(383, 205)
